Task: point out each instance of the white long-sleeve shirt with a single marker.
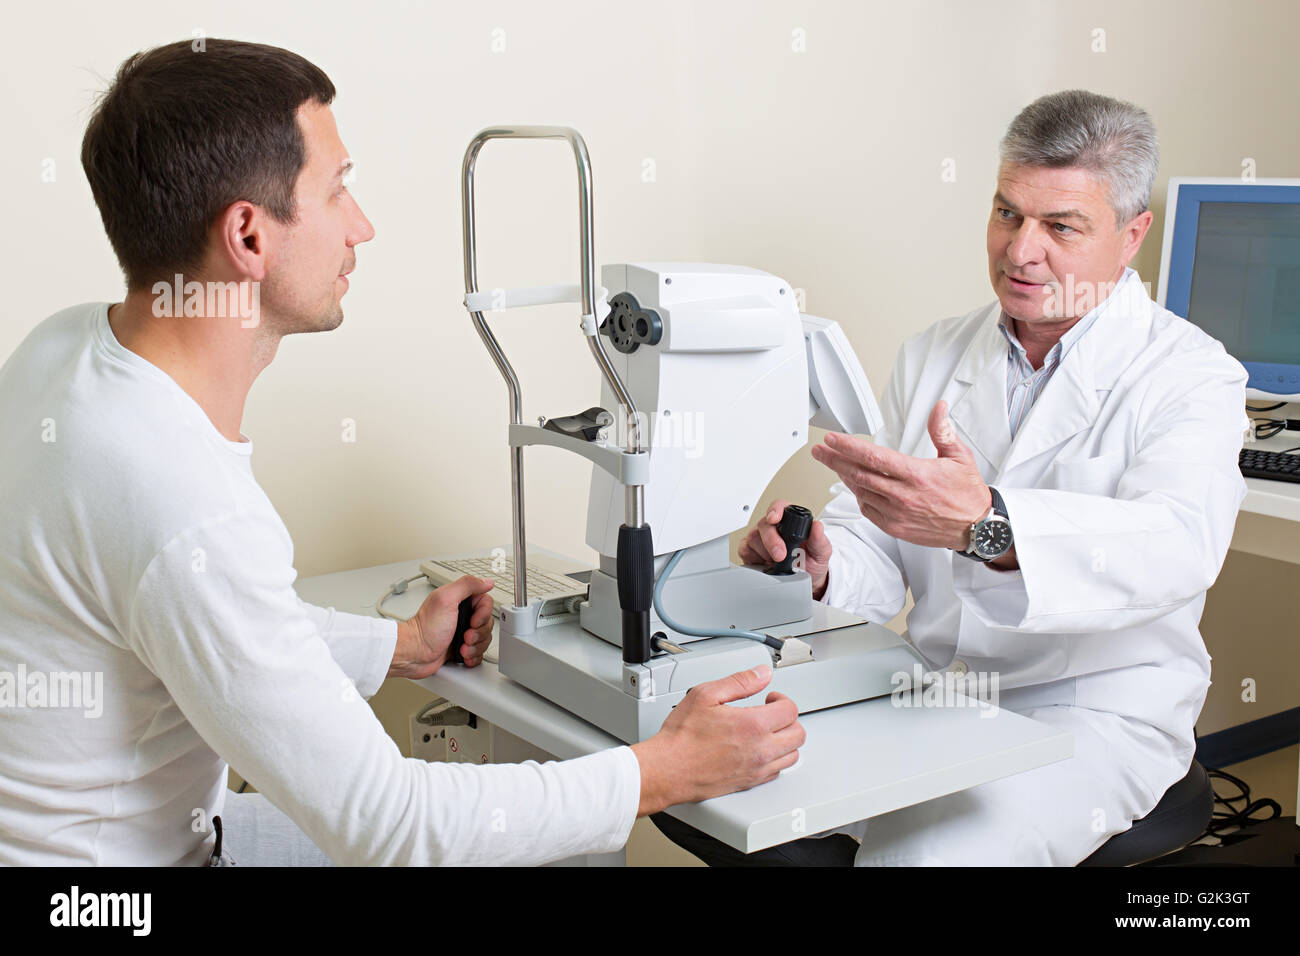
(139, 555)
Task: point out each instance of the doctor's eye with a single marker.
(1006, 215)
(1062, 229)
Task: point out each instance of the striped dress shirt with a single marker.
(1024, 383)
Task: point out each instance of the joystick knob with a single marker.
(794, 527)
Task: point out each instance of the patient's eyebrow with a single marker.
(343, 170)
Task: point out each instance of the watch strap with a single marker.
(999, 505)
(1000, 509)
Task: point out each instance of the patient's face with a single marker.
(303, 289)
(1055, 247)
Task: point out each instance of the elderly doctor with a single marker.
(1057, 483)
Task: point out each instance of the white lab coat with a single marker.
(1122, 488)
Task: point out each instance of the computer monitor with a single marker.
(1231, 264)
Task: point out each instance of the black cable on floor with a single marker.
(1234, 815)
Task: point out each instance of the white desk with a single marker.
(860, 760)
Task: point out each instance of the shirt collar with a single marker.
(1076, 331)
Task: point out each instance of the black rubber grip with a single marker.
(794, 528)
(636, 581)
(463, 613)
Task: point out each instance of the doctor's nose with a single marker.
(1026, 245)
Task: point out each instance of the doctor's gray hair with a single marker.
(1114, 140)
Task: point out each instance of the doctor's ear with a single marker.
(1134, 232)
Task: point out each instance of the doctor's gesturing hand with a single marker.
(931, 502)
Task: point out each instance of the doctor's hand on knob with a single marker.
(763, 546)
(425, 639)
(707, 748)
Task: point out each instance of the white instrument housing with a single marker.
(724, 396)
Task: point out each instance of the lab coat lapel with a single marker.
(980, 410)
(1071, 400)
(1068, 404)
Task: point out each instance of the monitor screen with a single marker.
(1245, 283)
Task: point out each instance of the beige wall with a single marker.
(820, 166)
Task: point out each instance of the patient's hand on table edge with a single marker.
(707, 748)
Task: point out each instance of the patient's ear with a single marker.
(240, 240)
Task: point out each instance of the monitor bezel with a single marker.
(1182, 215)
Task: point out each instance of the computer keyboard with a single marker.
(541, 583)
(1280, 466)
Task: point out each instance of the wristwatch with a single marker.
(990, 537)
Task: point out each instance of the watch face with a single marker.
(992, 538)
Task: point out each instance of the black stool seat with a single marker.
(1179, 818)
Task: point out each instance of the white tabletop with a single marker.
(860, 760)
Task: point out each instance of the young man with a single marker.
(139, 555)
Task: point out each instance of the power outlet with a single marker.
(444, 732)
(428, 743)
(469, 744)
(458, 742)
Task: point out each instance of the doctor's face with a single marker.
(1055, 247)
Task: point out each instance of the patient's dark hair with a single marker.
(187, 129)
